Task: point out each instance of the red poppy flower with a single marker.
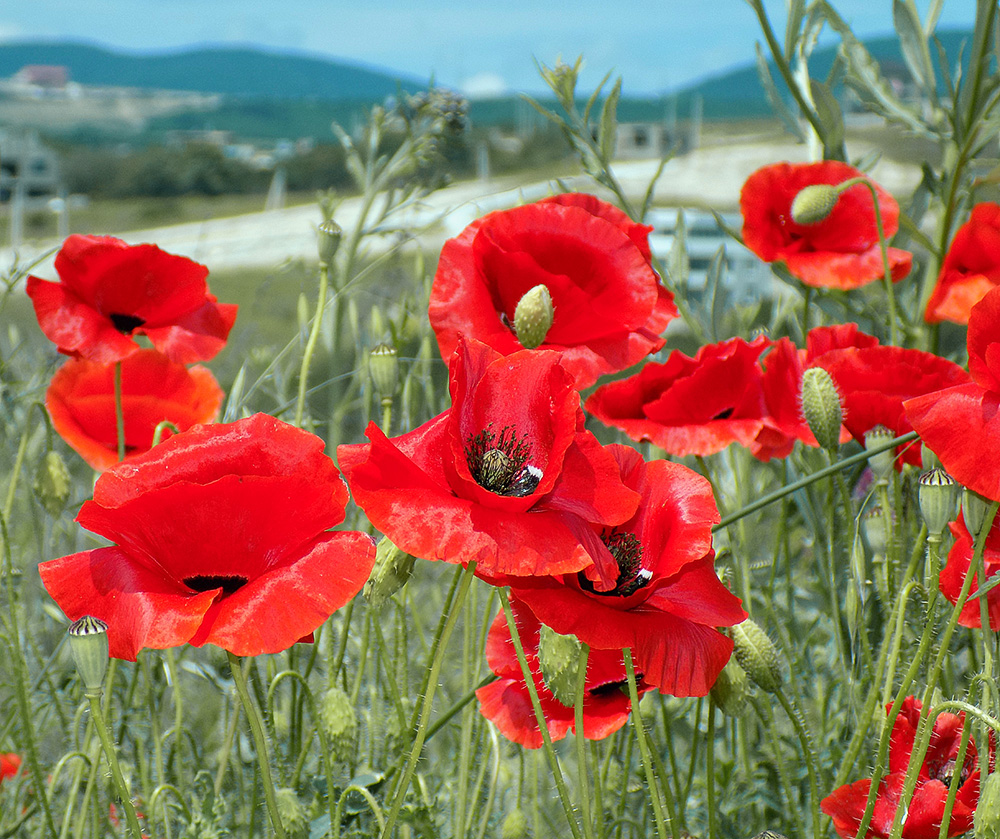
(506, 477)
(875, 381)
(846, 805)
(959, 560)
(609, 307)
(507, 703)
(81, 402)
(700, 405)
(840, 336)
(9, 764)
(961, 424)
(842, 250)
(667, 600)
(971, 267)
(109, 291)
(221, 538)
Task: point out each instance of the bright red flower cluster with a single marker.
(971, 268)
(846, 805)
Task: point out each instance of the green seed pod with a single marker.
(383, 365)
(770, 834)
(881, 463)
(814, 203)
(292, 814)
(52, 483)
(974, 510)
(822, 407)
(515, 826)
(986, 820)
(937, 500)
(329, 235)
(391, 572)
(339, 723)
(558, 659)
(730, 690)
(533, 317)
(875, 528)
(757, 655)
(88, 642)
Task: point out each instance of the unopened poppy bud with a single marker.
(384, 368)
(533, 317)
(339, 723)
(822, 408)
(390, 573)
(757, 655)
(937, 500)
(515, 826)
(88, 642)
(293, 815)
(730, 690)
(559, 659)
(814, 203)
(974, 510)
(875, 528)
(52, 483)
(329, 235)
(986, 820)
(882, 462)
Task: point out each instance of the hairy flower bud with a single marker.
(814, 203)
(329, 235)
(533, 316)
(515, 825)
(881, 463)
(339, 723)
(383, 365)
(52, 483)
(293, 815)
(974, 510)
(937, 500)
(88, 642)
(757, 655)
(558, 659)
(730, 690)
(391, 572)
(822, 407)
(986, 820)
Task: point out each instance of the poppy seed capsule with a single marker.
(383, 365)
(974, 510)
(881, 463)
(533, 317)
(822, 407)
(339, 724)
(757, 655)
(730, 690)
(986, 820)
(875, 528)
(328, 236)
(814, 203)
(937, 500)
(52, 483)
(558, 659)
(88, 642)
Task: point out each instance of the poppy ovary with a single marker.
(499, 463)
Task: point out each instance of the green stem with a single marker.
(647, 764)
(713, 820)
(97, 714)
(582, 768)
(119, 412)
(808, 754)
(317, 324)
(260, 744)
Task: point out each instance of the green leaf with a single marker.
(830, 118)
(235, 398)
(716, 268)
(678, 264)
(608, 130)
(913, 42)
(774, 97)
(594, 97)
(796, 11)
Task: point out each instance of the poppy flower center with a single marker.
(609, 688)
(229, 583)
(499, 462)
(946, 771)
(125, 323)
(627, 552)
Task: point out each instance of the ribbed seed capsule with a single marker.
(383, 365)
(329, 235)
(882, 463)
(757, 655)
(875, 528)
(88, 643)
(937, 500)
(822, 408)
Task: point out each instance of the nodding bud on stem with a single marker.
(822, 408)
(515, 826)
(533, 317)
(559, 659)
(882, 462)
(974, 510)
(88, 642)
(730, 690)
(339, 724)
(52, 483)
(293, 814)
(329, 235)
(937, 500)
(757, 655)
(986, 820)
(814, 203)
(390, 573)
(383, 365)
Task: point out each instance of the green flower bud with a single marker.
(88, 642)
(986, 820)
(559, 659)
(814, 203)
(329, 235)
(730, 690)
(391, 572)
(875, 527)
(339, 723)
(757, 655)
(937, 500)
(292, 814)
(822, 407)
(881, 463)
(52, 483)
(515, 826)
(533, 317)
(383, 365)
(974, 510)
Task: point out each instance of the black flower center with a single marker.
(627, 552)
(946, 771)
(126, 323)
(499, 462)
(609, 688)
(722, 415)
(209, 582)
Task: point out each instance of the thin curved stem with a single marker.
(97, 715)
(317, 324)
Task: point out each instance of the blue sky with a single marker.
(655, 45)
